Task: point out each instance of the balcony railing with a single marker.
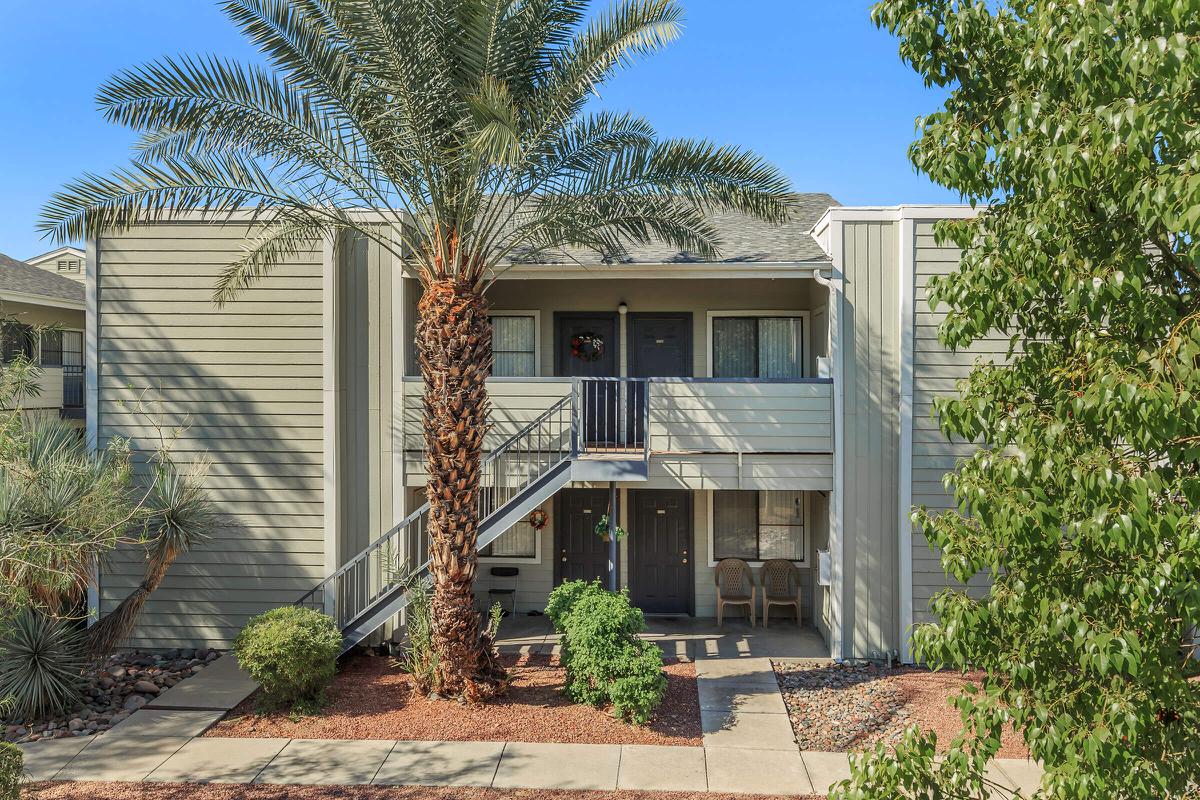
(665, 415)
(73, 387)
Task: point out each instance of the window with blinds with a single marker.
(755, 526)
(514, 346)
(758, 347)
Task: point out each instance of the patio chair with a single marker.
(781, 586)
(733, 576)
(507, 590)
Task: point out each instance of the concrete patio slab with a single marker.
(1022, 773)
(160, 722)
(221, 685)
(754, 731)
(825, 769)
(327, 761)
(727, 694)
(733, 769)
(440, 764)
(120, 758)
(44, 758)
(217, 760)
(654, 768)
(558, 766)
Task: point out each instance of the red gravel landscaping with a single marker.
(371, 699)
(845, 707)
(167, 791)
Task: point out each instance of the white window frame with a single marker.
(803, 316)
(712, 502)
(517, 561)
(537, 339)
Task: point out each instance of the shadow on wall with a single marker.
(250, 413)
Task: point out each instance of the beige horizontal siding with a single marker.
(242, 388)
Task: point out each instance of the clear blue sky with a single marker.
(811, 84)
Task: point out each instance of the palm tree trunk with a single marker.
(115, 626)
(454, 340)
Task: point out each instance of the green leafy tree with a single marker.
(463, 124)
(1080, 123)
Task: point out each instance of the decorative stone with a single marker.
(146, 687)
(134, 702)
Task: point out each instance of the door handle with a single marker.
(685, 561)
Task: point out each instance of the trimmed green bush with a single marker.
(564, 597)
(12, 769)
(605, 661)
(292, 653)
(41, 665)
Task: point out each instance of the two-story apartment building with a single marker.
(43, 320)
(773, 403)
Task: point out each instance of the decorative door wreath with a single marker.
(537, 519)
(587, 346)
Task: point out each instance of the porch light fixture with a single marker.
(623, 308)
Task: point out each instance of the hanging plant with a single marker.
(538, 519)
(587, 346)
(603, 532)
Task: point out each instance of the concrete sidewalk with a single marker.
(116, 757)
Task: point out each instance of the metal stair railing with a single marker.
(373, 575)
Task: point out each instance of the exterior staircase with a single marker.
(598, 432)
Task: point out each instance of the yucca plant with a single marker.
(463, 124)
(180, 515)
(41, 664)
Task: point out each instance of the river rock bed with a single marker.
(125, 683)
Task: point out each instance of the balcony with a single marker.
(682, 415)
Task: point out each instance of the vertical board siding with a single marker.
(245, 383)
(871, 376)
(935, 373)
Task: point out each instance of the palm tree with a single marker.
(463, 123)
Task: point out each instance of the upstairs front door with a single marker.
(660, 346)
(588, 346)
(579, 553)
(660, 551)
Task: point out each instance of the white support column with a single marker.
(837, 635)
(329, 397)
(91, 373)
(907, 278)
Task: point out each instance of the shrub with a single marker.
(564, 597)
(641, 685)
(292, 653)
(418, 658)
(41, 665)
(12, 767)
(604, 659)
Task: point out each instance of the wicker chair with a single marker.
(781, 586)
(733, 576)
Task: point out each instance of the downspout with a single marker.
(612, 536)
(837, 644)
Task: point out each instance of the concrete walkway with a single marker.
(748, 744)
(117, 757)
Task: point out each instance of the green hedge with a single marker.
(292, 653)
(605, 661)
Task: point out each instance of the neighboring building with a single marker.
(43, 319)
(770, 404)
(69, 262)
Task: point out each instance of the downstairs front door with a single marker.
(579, 553)
(660, 551)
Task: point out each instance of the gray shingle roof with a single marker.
(17, 276)
(744, 240)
